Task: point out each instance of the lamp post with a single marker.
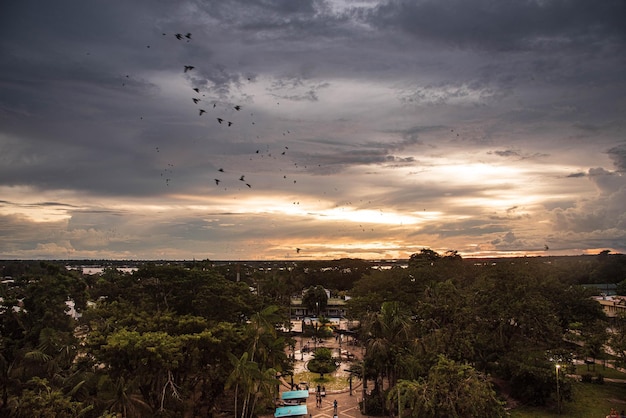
(557, 367)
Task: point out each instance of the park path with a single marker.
(347, 403)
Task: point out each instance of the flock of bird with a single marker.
(221, 108)
(229, 115)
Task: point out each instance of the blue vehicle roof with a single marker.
(295, 394)
(291, 411)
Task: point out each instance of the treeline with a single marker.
(202, 339)
(165, 341)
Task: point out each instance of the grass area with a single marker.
(331, 381)
(590, 401)
(604, 371)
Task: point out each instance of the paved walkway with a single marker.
(347, 404)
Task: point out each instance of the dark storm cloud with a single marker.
(576, 175)
(263, 20)
(506, 153)
(516, 154)
(103, 153)
(505, 24)
(618, 155)
(474, 227)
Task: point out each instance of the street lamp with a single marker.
(557, 367)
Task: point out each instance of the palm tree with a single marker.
(387, 333)
(266, 387)
(124, 399)
(266, 351)
(243, 376)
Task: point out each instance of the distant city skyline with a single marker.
(315, 129)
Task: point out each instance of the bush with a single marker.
(586, 378)
(322, 362)
(373, 405)
(599, 379)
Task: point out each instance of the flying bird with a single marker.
(197, 90)
(238, 108)
(188, 36)
(195, 100)
(179, 36)
(298, 250)
(242, 178)
(217, 182)
(202, 111)
(189, 67)
(221, 170)
(247, 184)
(220, 120)
(230, 123)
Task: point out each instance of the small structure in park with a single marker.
(299, 411)
(294, 397)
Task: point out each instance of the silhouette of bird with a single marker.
(546, 247)
(179, 36)
(202, 111)
(230, 123)
(189, 67)
(197, 90)
(237, 108)
(188, 36)
(248, 185)
(242, 178)
(217, 182)
(221, 170)
(298, 250)
(220, 120)
(195, 100)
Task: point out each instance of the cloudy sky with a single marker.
(363, 128)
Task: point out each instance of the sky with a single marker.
(321, 129)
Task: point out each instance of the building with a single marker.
(335, 308)
(612, 305)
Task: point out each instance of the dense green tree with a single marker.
(617, 339)
(315, 299)
(387, 334)
(37, 342)
(451, 390)
(40, 399)
(166, 334)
